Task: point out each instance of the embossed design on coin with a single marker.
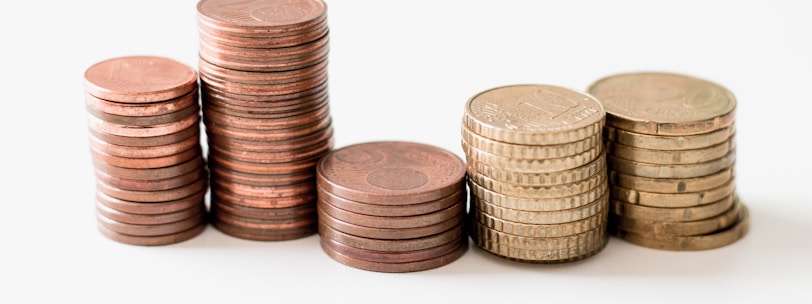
(261, 13)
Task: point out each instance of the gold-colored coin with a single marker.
(664, 104)
(541, 192)
(536, 243)
(668, 143)
(525, 204)
(540, 165)
(673, 200)
(536, 179)
(671, 171)
(672, 185)
(652, 228)
(541, 217)
(674, 157)
(686, 214)
(530, 151)
(696, 242)
(542, 256)
(534, 115)
(542, 231)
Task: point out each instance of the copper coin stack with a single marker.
(263, 70)
(536, 172)
(144, 122)
(392, 206)
(671, 152)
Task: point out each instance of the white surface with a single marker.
(402, 70)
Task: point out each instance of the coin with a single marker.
(128, 141)
(260, 16)
(150, 185)
(395, 267)
(653, 228)
(154, 208)
(152, 240)
(392, 222)
(142, 131)
(530, 151)
(541, 217)
(144, 120)
(672, 185)
(135, 110)
(392, 245)
(672, 171)
(294, 212)
(153, 196)
(155, 229)
(145, 163)
(139, 79)
(668, 143)
(144, 152)
(558, 255)
(684, 214)
(476, 169)
(539, 165)
(541, 192)
(664, 103)
(392, 210)
(390, 233)
(537, 204)
(542, 230)
(673, 200)
(148, 219)
(678, 157)
(149, 174)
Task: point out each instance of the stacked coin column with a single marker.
(537, 173)
(671, 149)
(392, 206)
(144, 122)
(263, 69)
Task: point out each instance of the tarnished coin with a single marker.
(534, 115)
(435, 262)
(653, 228)
(673, 200)
(672, 185)
(664, 104)
(675, 157)
(139, 79)
(685, 214)
(672, 171)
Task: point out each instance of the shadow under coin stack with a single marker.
(671, 146)
(144, 122)
(263, 70)
(392, 206)
(537, 173)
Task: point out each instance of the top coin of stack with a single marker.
(392, 206)
(145, 142)
(263, 69)
(671, 146)
(537, 173)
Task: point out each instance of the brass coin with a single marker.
(672, 185)
(651, 228)
(541, 165)
(560, 255)
(664, 104)
(675, 157)
(685, 214)
(542, 230)
(396, 267)
(541, 217)
(668, 143)
(672, 171)
(541, 192)
(518, 151)
(476, 169)
(711, 240)
(389, 233)
(392, 245)
(392, 210)
(392, 222)
(153, 230)
(535, 243)
(152, 240)
(152, 208)
(537, 204)
(534, 115)
(673, 200)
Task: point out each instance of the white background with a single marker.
(402, 70)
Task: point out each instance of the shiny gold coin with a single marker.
(686, 214)
(534, 115)
(535, 243)
(672, 185)
(537, 204)
(675, 157)
(542, 231)
(695, 242)
(541, 217)
(668, 143)
(664, 104)
(673, 200)
(652, 228)
(476, 169)
(540, 165)
(530, 151)
(672, 171)
(542, 192)
(560, 255)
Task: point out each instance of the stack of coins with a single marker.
(537, 173)
(263, 70)
(392, 206)
(144, 122)
(671, 152)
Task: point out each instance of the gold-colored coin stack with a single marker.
(537, 173)
(671, 153)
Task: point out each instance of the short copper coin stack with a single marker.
(263, 70)
(536, 172)
(144, 122)
(671, 152)
(392, 206)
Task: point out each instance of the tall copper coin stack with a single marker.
(263, 68)
(392, 206)
(671, 148)
(537, 173)
(144, 122)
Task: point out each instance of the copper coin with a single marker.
(272, 109)
(392, 245)
(220, 173)
(139, 79)
(144, 120)
(269, 135)
(148, 219)
(267, 54)
(392, 210)
(150, 185)
(261, 16)
(152, 208)
(142, 131)
(317, 113)
(238, 63)
(152, 240)
(193, 130)
(234, 98)
(394, 257)
(232, 29)
(143, 109)
(263, 234)
(319, 136)
(389, 233)
(145, 163)
(248, 167)
(153, 196)
(144, 152)
(263, 42)
(152, 230)
(263, 202)
(306, 210)
(220, 73)
(266, 191)
(267, 89)
(391, 173)
(317, 150)
(393, 222)
(267, 223)
(150, 173)
(396, 267)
